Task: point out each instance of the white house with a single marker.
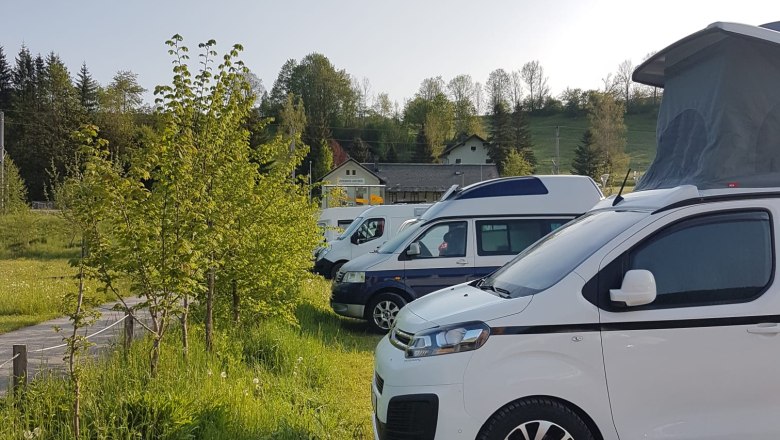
(470, 151)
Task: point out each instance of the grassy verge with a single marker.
(34, 271)
(267, 380)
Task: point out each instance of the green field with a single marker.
(640, 147)
(35, 274)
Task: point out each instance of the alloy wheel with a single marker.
(385, 313)
(539, 430)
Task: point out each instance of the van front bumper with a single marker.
(323, 267)
(349, 299)
(422, 398)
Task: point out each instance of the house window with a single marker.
(473, 148)
(457, 160)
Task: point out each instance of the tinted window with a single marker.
(708, 260)
(510, 237)
(444, 240)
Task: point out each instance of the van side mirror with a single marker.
(638, 288)
(414, 250)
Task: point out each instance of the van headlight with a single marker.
(354, 277)
(449, 339)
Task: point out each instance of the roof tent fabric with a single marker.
(719, 121)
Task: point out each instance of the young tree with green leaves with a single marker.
(607, 126)
(13, 193)
(516, 165)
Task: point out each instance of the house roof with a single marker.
(353, 162)
(416, 177)
(463, 142)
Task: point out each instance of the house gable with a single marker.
(473, 150)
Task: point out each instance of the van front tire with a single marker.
(382, 311)
(524, 419)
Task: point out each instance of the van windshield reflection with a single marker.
(553, 257)
(391, 246)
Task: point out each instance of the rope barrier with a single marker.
(9, 360)
(87, 337)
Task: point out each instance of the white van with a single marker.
(654, 316)
(333, 221)
(374, 226)
(468, 234)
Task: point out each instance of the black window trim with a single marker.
(366, 221)
(599, 297)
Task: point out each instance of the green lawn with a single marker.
(641, 139)
(35, 274)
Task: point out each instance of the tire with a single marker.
(382, 310)
(335, 269)
(522, 420)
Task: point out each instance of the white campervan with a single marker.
(654, 316)
(468, 234)
(374, 226)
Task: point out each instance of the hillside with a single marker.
(641, 139)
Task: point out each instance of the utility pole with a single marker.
(2, 162)
(557, 149)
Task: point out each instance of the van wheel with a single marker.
(335, 269)
(535, 418)
(382, 311)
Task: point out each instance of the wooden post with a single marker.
(128, 332)
(20, 367)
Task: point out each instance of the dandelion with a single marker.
(295, 373)
(246, 392)
(223, 375)
(37, 432)
(300, 359)
(255, 381)
(209, 372)
(28, 435)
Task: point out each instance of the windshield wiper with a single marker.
(503, 293)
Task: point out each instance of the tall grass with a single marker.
(265, 380)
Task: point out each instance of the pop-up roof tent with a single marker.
(719, 121)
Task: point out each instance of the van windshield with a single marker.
(392, 245)
(351, 228)
(553, 257)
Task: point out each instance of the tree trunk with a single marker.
(185, 337)
(154, 356)
(236, 302)
(210, 309)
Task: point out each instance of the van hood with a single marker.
(461, 303)
(366, 262)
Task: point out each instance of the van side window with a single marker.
(371, 229)
(712, 259)
(444, 240)
(510, 237)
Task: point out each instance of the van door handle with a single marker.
(768, 328)
(462, 262)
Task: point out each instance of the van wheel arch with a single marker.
(399, 297)
(589, 422)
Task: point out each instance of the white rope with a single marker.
(93, 334)
(9, 360)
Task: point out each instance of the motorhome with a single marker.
(333, 221)
(374, 226)
(654, 316)
(468, 234)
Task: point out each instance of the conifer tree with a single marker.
(87, 89)
(587, 160)
(501, 134)
(391, 156)
(423, 153)
(5, 82)
(522, 136)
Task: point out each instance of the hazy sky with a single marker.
(395, 44)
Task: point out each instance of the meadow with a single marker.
(264, 380)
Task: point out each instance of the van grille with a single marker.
(400, 339)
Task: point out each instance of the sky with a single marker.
(393, 43)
